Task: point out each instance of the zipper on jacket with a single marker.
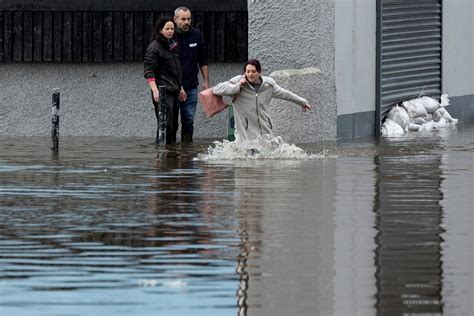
(256, 104)
(258, 116)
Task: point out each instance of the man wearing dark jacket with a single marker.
(193, 57)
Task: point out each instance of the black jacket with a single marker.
(163, 64)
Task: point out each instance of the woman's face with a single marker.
(253, 76)
(168, 30)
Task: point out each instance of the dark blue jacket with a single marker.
(192, 55)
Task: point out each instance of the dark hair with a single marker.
(160, 24)
(253, 62)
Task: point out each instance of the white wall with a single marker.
(355, 55)
(458, 47)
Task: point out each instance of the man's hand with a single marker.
(182, 95)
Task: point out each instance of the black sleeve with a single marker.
(203, 58)
(150, 60)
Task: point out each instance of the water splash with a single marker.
(262, 148)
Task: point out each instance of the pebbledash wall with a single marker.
(324, 51)
(112, 99)
(95, 100)
(298, 36)
(92, 51)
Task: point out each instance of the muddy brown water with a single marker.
(118, 227)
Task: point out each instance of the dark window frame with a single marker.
(112, 31)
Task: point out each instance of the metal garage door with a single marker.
(408, 51)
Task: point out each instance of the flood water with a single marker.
(118, 227)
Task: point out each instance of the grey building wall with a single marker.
(355, 67)
(458, 57)
(96, 100)
(323, 51)
(298, 35)
(355, 55)
(113, 99)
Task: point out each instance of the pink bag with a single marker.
(211, 103)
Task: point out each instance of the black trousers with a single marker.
(171, 109)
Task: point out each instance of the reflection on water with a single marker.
(119, 227)
(409, 216)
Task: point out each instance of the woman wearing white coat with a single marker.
(252, 94)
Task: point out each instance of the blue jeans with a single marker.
(187, 111)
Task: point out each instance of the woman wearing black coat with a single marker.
(162, 68)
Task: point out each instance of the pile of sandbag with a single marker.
(421, 114)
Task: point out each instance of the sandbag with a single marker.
(442, 113)
(422, 119)
(399, 115)
(428, 126)
(429, 104)
(414, 108)
(412, 127)
(391, 129)
(442, 123)
(448, 117)
(438, 115)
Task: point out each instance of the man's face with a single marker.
(183, 20)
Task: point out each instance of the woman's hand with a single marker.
(243, 80)
(307, 107)
(156, 95)
(182, 95)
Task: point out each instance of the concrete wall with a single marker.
(355, 67)
(458, 57)
(113, 99)
(355, 55)
(96, 100)
(290, 34)
(328, 47)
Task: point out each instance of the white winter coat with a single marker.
(252, 108)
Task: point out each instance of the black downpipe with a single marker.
(55, 121)
(160, 113)
(378, 77)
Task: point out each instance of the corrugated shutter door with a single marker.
(410, 51)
